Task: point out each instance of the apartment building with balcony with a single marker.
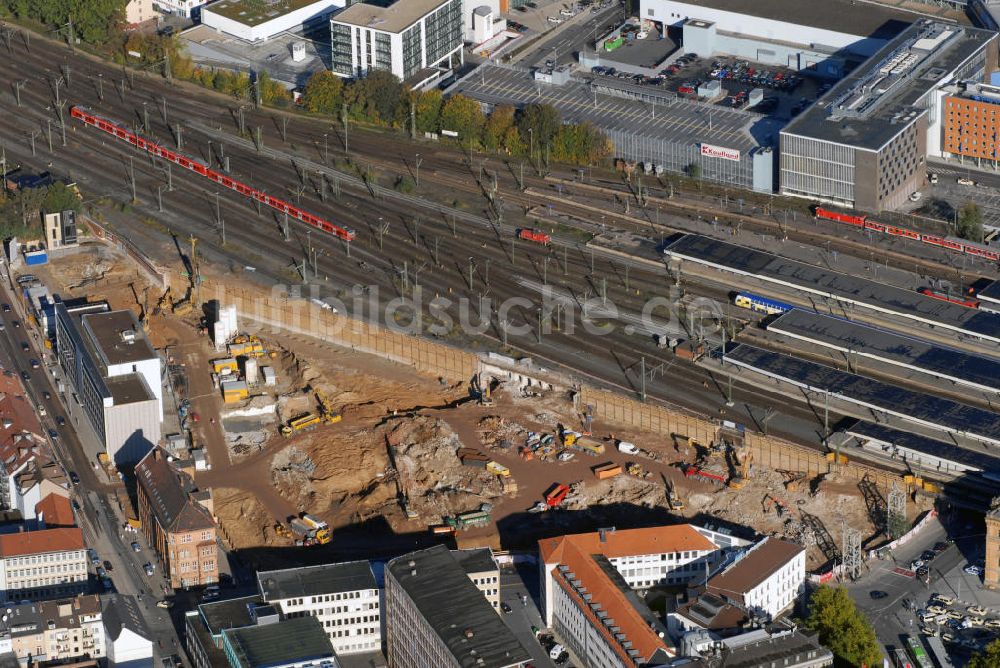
(59, 631)
(177, 520)
(44, 564)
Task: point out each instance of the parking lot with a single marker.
(786, 93)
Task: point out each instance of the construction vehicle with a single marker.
(555, 496)
(714, 476)
(473, 518)
(569, 437)
(482, 391)
(246, 345)
(588, 445)
(303, 532)
(282, 531)
(779, 506)
(674, 502)
(636, 470)
(302, 423)
(321, 528)
(193, 296)
(526, 453)
(739, 466)
(327, 412)
(497, 469)
(609, 470)
(442, 529)
(793, 479)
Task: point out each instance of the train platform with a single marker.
(858, 339)
(921, 452)
(908, 405)
(827, 285)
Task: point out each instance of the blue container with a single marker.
(36, 257)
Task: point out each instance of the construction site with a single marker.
(302, 440)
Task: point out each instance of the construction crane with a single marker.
(792, 479)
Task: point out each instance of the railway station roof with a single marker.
(854, 337)
(918, 407)
(923, 444)
(835, 285)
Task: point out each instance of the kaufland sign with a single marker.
(710, 151)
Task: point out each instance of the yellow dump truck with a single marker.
(588, 445)
(497, 468)
(321, 528)
(301, 423)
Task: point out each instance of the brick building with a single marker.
(177, 520)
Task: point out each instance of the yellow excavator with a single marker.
(307, 421)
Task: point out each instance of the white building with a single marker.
(482, 568)
(259, 21)
(592, 584)
(114, 375)
(42, 564)
(404, 38)
(344, 597)
(129, 641)
(767, 578)
(482, 20)
(186, 8)
(835, 25)
(51, 632)
(136, 12)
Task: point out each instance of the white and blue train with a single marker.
(761, 304)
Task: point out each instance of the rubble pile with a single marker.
(497, 433)
(291, 473)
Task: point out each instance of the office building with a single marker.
(129, 640)
(114, 375)
(766, 578)
(344, 598)
(203, 627)
(436, 616)
(292, 643)
(37, 565)
(865, 143)
(177, 520)
(254, 21)
(404, 37)
(483, 570)
(970, 126)
(60, 631)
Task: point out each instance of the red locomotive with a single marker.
(530, 234)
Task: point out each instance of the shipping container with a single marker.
(608, 470)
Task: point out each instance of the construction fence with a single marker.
(294, 314)
(153, 273)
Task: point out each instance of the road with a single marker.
(99, 516)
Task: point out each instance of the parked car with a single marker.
(53, 434)
(101, 572)
(506, 608)
(6, 308)
(24, 346)
(148, 568)
(972, 569)
(876, 594)
(46, 395)
(962, 181)
(136, 547)
(35, 363)
(61, 421)
(75, 479)
(107, 566)
(107, 584)
(165, 604)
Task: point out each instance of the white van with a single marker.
(627, 448)
(556, 651)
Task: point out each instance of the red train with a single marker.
(529, 234)
(957, 245)
(960, 300)
(199, 168)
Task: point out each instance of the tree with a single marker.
(377, 98)
(94, 21)
(969, 224)
(988, 658)
(323, 93)
(539, 124)
(272, 92)
(58, 197)
(842, 628)
(497, 126)
(693, 170)
(427, 110)
(464, 116)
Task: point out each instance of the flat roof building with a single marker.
(254, 21)
(344, 597)
(114, 374)
(865, 143)
(435, 616)
(290, 643)
(402, 37)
